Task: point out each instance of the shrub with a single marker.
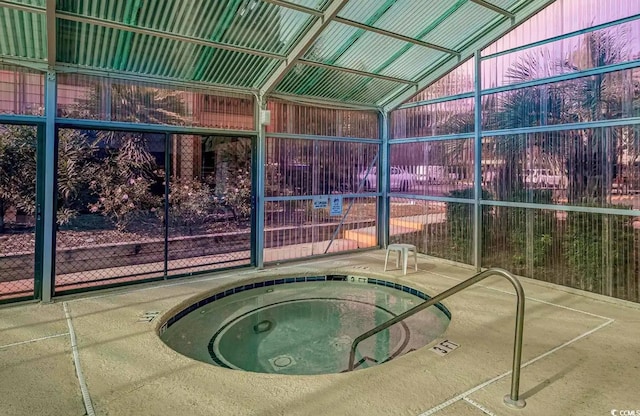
(237, 192)
(122, 195)
(598, 249)
(18, 171)
(190, 201)
(460, 222)
(529, 232)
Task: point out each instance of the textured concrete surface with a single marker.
(581, 355)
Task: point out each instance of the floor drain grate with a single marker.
(148, 316)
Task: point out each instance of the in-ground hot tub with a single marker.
(302, 325)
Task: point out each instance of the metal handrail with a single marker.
(511, 399)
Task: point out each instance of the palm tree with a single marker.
(596, 246)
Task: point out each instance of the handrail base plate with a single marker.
(514, 404)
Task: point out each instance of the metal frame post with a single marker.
(477, 164)
(168, 140)
(49, 191)
(259, 183)
(383, 185)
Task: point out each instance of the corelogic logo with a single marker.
(627, 412)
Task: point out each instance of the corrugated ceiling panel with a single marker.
(463, 24)
(358, 56)
(238, 69)
(259, 25)
(411, 62)
(373, 91)
(362, 10)
(40, 3)
(410, 18)
(312, 4)
(327, 48)
(505, 4)
(336, 85)
(97, 47)
(251, 24)
(349, 47)
(22, 34)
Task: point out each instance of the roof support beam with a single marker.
(495, 8)
(207, 87)
(355, 71)
(51, 34)
(165, 35)
(303, 45)
(38, 65)
(22, 7)
(395, 36)
(323, 102)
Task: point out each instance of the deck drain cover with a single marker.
(148, 316)
(281, 362)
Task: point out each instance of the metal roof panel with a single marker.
(327, 83)
(99, 47)
(469, 20)
(239, 43)
(22, 34)
(250, 24)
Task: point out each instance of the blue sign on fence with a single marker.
(336, 205)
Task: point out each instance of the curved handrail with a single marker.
(511, 399)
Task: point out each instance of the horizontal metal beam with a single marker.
(565, 77)
(495, 8)
(165, 35)
(324, 102)
(564, 36)
(395, 35)
(21, 119)
(621, 122)
(536, 82)
(150, 128)
(311, 197)
(564, 208)
(22, 7)
(294, 6)
(440, 138)
(355, 71)
(131, 76)
(35, 64)
(437, 100)
(324, 138)
(430, 198)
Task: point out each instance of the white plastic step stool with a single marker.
(403, 250)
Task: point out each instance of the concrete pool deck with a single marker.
(581, 354)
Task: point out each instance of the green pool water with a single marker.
(304, 328)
